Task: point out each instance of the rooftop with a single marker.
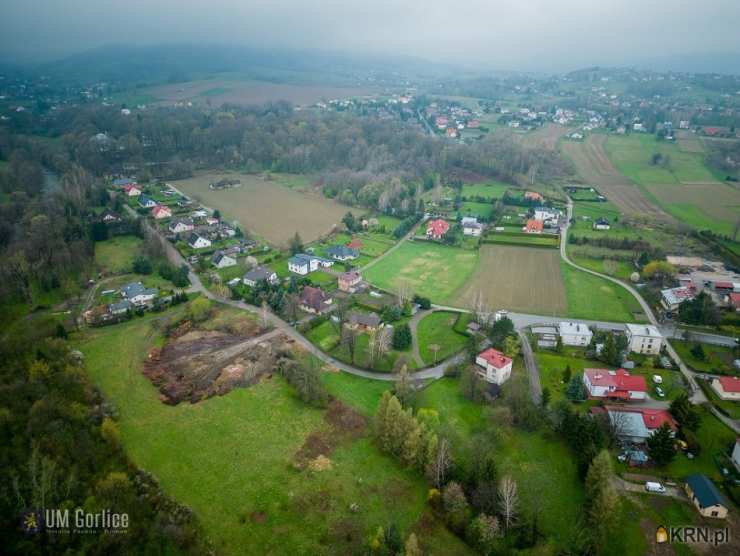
(495, 358)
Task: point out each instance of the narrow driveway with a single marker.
(413, 323)
(532, 369)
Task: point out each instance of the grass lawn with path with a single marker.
(717, 359)
(430, 269)
(230, 458)
(438, 329)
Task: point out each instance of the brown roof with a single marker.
(314, 298)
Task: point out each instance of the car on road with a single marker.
(654, 487)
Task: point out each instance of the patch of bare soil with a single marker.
(196, 364)
(344, 424)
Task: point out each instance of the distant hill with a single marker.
(723, 62)
(183, 62)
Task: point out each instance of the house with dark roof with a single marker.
(181, 225)
(222, 260)
(303, 264)
(197, 241)
(364, 321)
(601, 223)
(342, 253)
(314, 300)
(137, 294)
(146, 201)
(259, 273)
(706, 498)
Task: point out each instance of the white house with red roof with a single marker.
(637, 424)
(132, 190)
(619, 384)
(534, 227)
(161, 211)
(727, 387)
(437, 228)
(494, 366)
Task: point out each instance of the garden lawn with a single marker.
(479, 210)
(230, 458)
(493, 190)
(541, 464)
(717, 359)
(594, 298)
(116, 255)
(437, 329)
(430, 269)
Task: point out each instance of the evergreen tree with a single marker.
(602, 500)
(685, 413)
(574, 392)
(660, 445)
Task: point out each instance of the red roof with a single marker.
(437, 228)
(735, 299)
(711, 130)
(533, 195)
(535, 226)
(730, 383)
(495, 358)
(354, 243)
(723, 285)
(160, 209)
(129, 186)
(619, 380)
(653, 418)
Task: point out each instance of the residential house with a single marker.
(123, 182)
(132, 190)
(471, 227)
(727, 387)
(303, 264)
(545, 214)
(671, 298)
(533, 196)
(534, 227)
(619, 384)
(314, 300)
(601, 224)
(494, 366)
(574, 334)
(706, 498)
(644, 338)
(137, 294)
(120, 307)
(181, 225)
(364, 321)
(734, 301)
(636, 424)
(147, 202)
(437, 228)
(199, 213)
(258, 274)
(161, 211)
(197, 241)
(342, 253)
(349, 281)
(222, 260)
(109, 217)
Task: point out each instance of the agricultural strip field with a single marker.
(689, 142)
(267, 208)
(518, 279)
(231, 459)
(513, 238)
(631, 156)
(594, 167)
(246, 92)
(713, 205)
(429, 269)
(545, 137)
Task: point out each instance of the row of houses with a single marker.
(641, 338)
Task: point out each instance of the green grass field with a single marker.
(515, 238)
(116, 255)
(479, 210)
(717, 359)
(631, 155)
(230, 459)
(594, 298)
(492, 190)
(432, 270)
(436, 329)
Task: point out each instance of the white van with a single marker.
(654, 487)
(657, 379)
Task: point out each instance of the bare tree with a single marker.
(265, 315)
(340, 314)
(481, 311)
(404, 293)
(434, 348)
(349, 341)
(440, 464)
(508, 500)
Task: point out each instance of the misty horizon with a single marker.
(533, 36)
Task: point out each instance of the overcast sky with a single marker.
(501, 34)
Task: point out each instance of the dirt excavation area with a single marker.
(196, 364)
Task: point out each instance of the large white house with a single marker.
(671, 298)
(303, 264)
(471, 226)
(644, 338)
(181, 225)
(495, 367)
(619, 384)
(259, 273)
(137, 294)
(545, 214)
(198, 242)
(222, 260)
(575, 334)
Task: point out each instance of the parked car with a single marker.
(657, 379)
(659, 391)
(654, 487)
